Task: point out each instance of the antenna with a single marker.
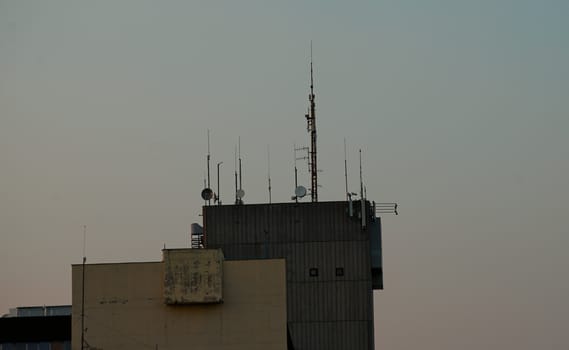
(239, 193)
(208, 159)
(361, 177)
(269, 171)
(84, 243)
(295, 174)
(299, 191)
(83, 288)
(240, 169)
(235, 167)
(311, 122)
(204, 188)
(218, 198)
(362, 195)
(346, 169)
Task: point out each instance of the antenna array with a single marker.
(311, 126)
(310, 156)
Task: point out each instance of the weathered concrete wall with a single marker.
(192, 276)
(125, 309)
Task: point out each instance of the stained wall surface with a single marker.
(125, 309)
(328, 264)
(193, 276)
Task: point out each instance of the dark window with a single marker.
(339, 271)
(313, 272)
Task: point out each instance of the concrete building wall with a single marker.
(125, 309)
(193, 276)
(328, 264)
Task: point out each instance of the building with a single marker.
(333, 263)
(272, 276)
(192, 299)
(36, 328)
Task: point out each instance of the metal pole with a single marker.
(208, 158)
(218, 188)
(346, 169)
(83, 290)
(269, 171)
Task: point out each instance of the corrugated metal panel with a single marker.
(324, 311)
(331, 336)
(300, 222)
(329, 301)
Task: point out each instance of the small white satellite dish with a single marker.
(240, 193)
(207, 194)
(300, 191)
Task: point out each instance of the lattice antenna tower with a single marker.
(311, 126)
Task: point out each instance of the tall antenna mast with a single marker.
(311, 120)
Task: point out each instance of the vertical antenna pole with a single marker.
(83, 288)
(204, 186)
(346, 169)
(269, 171)
(218, 187)
(362, 196)
(236, 198)
(240, 178)
(311, 119)
(208, 159)
(361, 177)
(295, 176)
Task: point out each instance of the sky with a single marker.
(460, 108)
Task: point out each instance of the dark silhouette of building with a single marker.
(37, 328)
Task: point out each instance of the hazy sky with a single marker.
(461, 109)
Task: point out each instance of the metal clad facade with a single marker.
(328, 265)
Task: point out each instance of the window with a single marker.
(313, 272)
(339, 271)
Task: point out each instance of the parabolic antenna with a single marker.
(240, 193)
(207, 194)
(300, 191)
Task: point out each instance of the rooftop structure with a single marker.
(36, 327)
(192, 299)
(333, 263)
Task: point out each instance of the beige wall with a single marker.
(193, 276)
(125, 309)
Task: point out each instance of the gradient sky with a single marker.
(461, 109)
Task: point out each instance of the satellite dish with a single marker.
(207, 194)
(240, 193)
(300, 191)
